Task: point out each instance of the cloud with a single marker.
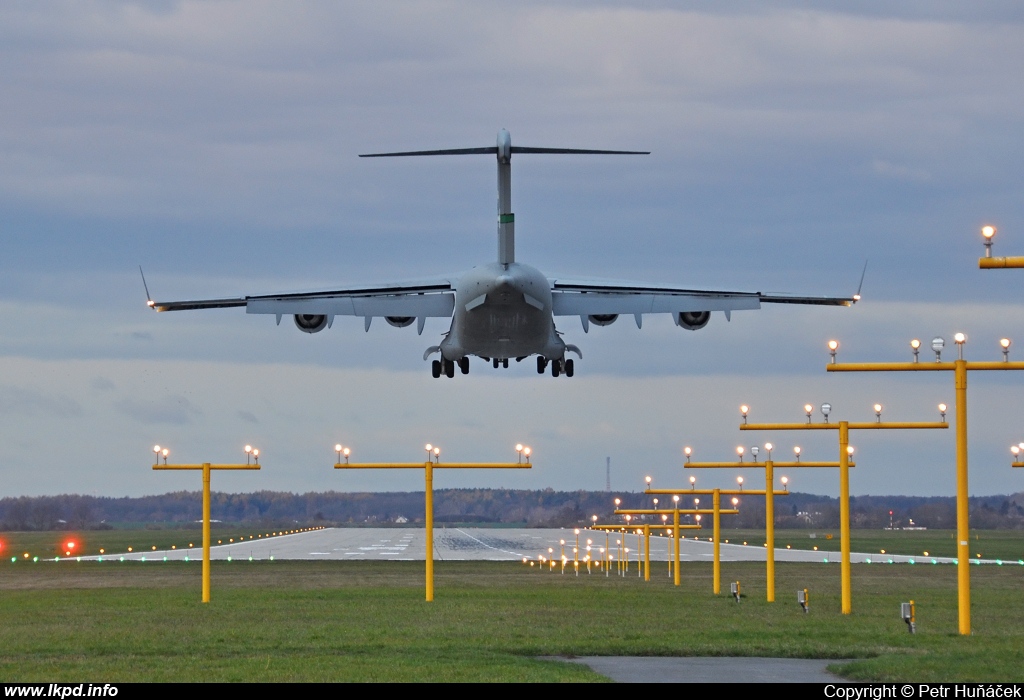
(171, 410)
(31, 402)
(102, 384)
(900, 172)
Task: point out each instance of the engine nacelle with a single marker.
(310, 323)
(602, 319)
(399, 321)
(693, 320)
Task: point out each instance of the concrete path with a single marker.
(657, 669)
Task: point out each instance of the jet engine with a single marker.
(310, 323)
(602, 319)
(693, 320)
(400, 321)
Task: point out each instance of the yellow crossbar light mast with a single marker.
(988, 262)
(433, 462)
(959, 368)
(845, 452)
(716, 495)
(676, 526)
(252, 461)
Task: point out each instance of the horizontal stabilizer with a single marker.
(493, 150)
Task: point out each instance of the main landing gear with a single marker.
(557, 366)
(447, 367)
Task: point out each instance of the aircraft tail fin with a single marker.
(503, 150)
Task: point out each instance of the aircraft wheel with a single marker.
(494, 362)
(464, 365)
(449, 369)
(555, 368)
(504, 363)
(435, 368)
(542, 364)
(568, 368)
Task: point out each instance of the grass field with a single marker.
(367, 621)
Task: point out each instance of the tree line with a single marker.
(496, 507)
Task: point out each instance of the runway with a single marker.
(488, 544)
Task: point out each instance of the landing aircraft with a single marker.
(505, 309)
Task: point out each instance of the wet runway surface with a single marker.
(488, 544)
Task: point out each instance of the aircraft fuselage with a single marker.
(502, 312)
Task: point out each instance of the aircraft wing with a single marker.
(435, 298)
(594, 298)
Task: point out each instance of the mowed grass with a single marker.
(49, 544)
(1007, 545)
(367, 621)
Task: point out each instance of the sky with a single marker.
(215, 144)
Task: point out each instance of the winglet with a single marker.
(856, 297)
(149, 300)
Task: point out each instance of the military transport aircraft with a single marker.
(503, 309)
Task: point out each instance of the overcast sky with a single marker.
(216, 145)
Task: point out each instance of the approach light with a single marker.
(833, 345)
(937, 344)
(878, 412)
(960, 339)
(693, 481)
(808, 409)
(849, 450)
(826, 408)
(785, 482)
(647, 480)
(735, 501)
(796, 451)
(687, 451)
(769, 446)
(675, 499)
(1005, 343)
(744, 410)
(942, 411)
(739, 451)
(988, 232)
(915, 347)
(1015, 450)
(739, 480)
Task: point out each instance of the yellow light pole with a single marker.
(960, 368)
(252, 462)
(675, 528)
(717, 512)
(433, 462)
(845, 451)
(646, 532)
(988, 262)
(768, 492)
